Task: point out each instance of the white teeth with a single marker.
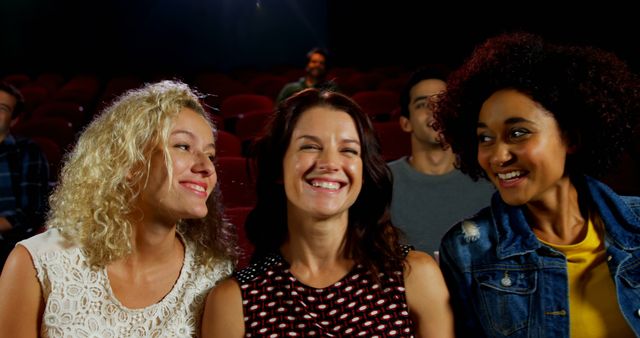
(195, 187)
(509, 175)
(326, 185)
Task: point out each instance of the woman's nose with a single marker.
(500, 155)
(204, 165)
(328, 160)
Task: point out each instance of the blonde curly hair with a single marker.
(108, 168)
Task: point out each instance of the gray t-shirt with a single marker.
(426, 206)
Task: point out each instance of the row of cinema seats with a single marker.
(91, 91)
(57, 109)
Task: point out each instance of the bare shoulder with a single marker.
(421, 265)
(227, 289)
(19, 268)
(427, 296)
(21, 302)
(223, 313)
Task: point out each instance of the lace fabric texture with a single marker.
(79, 301)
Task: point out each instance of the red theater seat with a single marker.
(268, 85)
(56, 129)
(239, 104)
(250, 125)
(237, 216)
(236, 182)
(70, 111)
(394, 142)
(378, 104)
(228, 145)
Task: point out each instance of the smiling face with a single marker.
(322, 167)
(520, 147)
(184, 194)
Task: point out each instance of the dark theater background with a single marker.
(109, 46)
(185, 36)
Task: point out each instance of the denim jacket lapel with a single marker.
(515, 236)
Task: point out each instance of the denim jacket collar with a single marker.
(619, 219)
(515, 236)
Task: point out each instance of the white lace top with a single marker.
(79, 301)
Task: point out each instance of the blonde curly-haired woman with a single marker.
(135, 235)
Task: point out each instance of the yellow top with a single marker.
(593, 305)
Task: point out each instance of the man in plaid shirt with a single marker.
(24, 176)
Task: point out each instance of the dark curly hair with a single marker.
(591, 93)
(371, 239)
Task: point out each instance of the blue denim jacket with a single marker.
(505, 283)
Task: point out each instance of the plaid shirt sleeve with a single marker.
(33, 184)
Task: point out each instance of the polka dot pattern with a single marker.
(276, 304)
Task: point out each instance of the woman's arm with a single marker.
(427, 297)
(223, 314)
(21, 303)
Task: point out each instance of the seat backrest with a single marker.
(70, 111)
(394, 142)
(250, 125)
(56, 129)
(82, 89)
(228, 145)
(51, 81)
(18, 79)
(34, 95)
(236, 105)
(218, 86)
(237, 216)
(378, 104)
(115, 87)
(268, 85)
(236, 182)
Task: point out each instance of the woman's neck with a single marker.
(557, 218)
(315, 250)
(153, 243)
(150, 272)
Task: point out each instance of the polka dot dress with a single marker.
(275, 304)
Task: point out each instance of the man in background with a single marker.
(315, 75)
(24, 177)
(429, 193)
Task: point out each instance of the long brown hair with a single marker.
(371, 239)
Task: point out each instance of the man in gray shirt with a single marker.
(429, 193)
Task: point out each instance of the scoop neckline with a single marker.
(294, 279)
(171, 294)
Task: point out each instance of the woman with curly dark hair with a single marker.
(327, 260)
(557, 252)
